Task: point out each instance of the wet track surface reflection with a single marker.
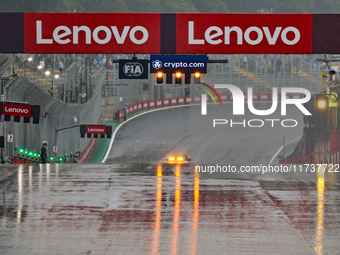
(165, 209)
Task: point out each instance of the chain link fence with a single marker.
(54, 115)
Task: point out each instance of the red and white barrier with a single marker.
(224, 97)
(264, 97)
(197, 100)
(159, 103)
(152, 104)
(173, 101)
(145, 105)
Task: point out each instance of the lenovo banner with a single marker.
(93, 131)
(19, 110)
(244, 33)
(97, 129)
(169, 33)
(92, 33)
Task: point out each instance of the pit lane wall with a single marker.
(320, 143)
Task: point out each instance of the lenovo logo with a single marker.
(16, 110)
(101, 34)
(95, 130)
(252, 35)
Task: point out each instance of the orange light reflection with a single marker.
(195, 216)
(158, 214)
(174, 241)
(319, 224)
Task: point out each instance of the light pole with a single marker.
(53, 72)
(47, 73)
(28, 60)
(55, 77)
(35, 69)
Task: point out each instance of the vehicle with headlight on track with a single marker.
(178, 159)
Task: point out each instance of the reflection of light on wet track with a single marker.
(175, 225)
(320, 213)
(20, 194)
(48, 170)
(158, 216)
(193, 238)
(30, 173)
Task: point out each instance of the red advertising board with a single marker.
(131, 109)
(159, 103)
(197, 99)
(296, 96)
(135, 107)
(152, 104)
(166, 102)
(224, 97)
(255, 97)
(264, 97)
(181, 100)
(173, 101)
(92, 32)
(246, 33)
(96, 129)
(169, 33)
(140, 106)
(20, 110)
(119, 114)
(145, 105)
(188, 100)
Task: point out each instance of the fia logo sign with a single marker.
(133, 69)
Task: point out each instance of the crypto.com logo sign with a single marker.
(239, 103)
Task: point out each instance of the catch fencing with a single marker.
(54, 115)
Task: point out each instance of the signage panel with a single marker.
(19, 110)
(133, 69)
(244, 33)
(175, 63)
(92, 32)
(96, 129)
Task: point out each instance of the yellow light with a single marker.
(178, 74)
(159, 74)
(180, 159)
(197, 75)
(321, 104)
(172, 159)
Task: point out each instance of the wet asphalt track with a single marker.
(154, 136)
(165, 209)
(154, 208)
